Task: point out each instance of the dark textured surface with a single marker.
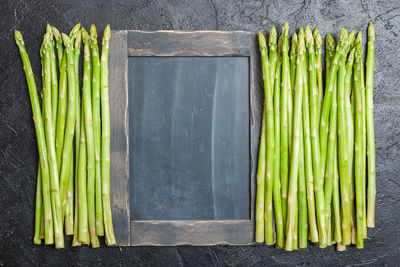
(189, 138)
(18, 153)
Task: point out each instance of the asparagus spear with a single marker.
(284, 164)
(269, 110)
(358, 145)
(61, 112)
(54, 82)
(329, 54)
(272, 57)
(292, 86)
(83, 233)
(69, 219)
(87, 110)
(302, 195)
(94, 50)
(343, 154)
(312, 146)
(261, 184)
(75, 240)
(294, 168)
(350, 133)
(336, 193)
(364, 138)
(69, 128)
(277, 151)
(40, 136)
(59, 45)
(105, 144)
(370, 126)
(38, 209)
(331, 157)
(50, 143)
(318, 66)
(330, 83)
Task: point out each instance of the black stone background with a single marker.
(18, 152)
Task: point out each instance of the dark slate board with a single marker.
(189, 138)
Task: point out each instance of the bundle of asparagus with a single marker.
(75, 199)
(313, 172)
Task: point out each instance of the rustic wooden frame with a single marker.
(176, 43)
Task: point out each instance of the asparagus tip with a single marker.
(285, 28)
(317, 38)
(294, 43)
(350, 59)
(18, 38)
(330, 42)
(93, 33)
(261, 40)
(66, 40)
(272, 35)
(56, 34)
(280, 43)
(48, 28)
(78, 40)
(309, 36)
(300, 41)
(359, 38)
(107, 33)
(352, 37)
(371, 31)
(74, 30)
(85, 36)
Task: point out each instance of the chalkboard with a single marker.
(185, 112)
(189, 138)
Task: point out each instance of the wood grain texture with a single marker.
(195, 233)
(119, 165)
(178, 43)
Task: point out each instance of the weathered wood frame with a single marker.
(124, 44)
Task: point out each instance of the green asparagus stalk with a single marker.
(69, 128)
(292, 86)
(272, 57)
(330, 166)
(370, 126)
(75, 240)
(38, 209)
(59, 45)
(284, 164)
(261, 184)
(87, 110)
(105, 135)
(50, 143)
(318, 66)
(302, 194)
(350, 133)
(277, 151)
(343, 154)
(269, 162)
(54, 82)
(94, 50)
(69, 208)
(61, 112)
(364, 139)
(330, 83)
(294, 168)
(312, 145)
(40, 136)
(358, 145)
(329, 54)
(83, 230)
(336, 190)
(296, 224)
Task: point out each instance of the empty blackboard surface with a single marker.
(189, 138)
